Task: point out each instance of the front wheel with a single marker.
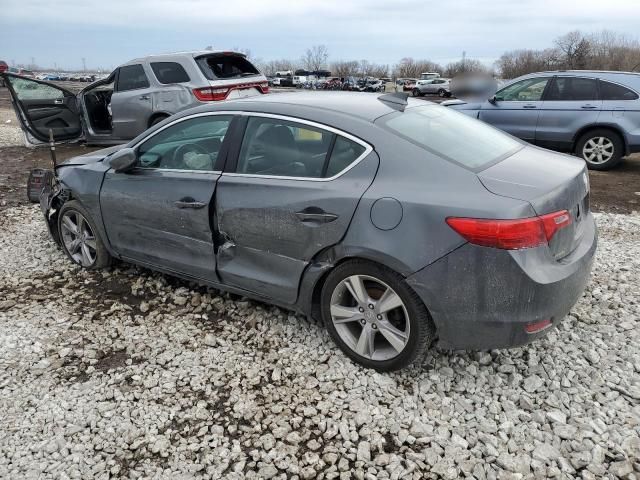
(374, 316)
(416, 93)
(602, 149)
(79, 237)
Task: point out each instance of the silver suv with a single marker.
(134, 97)
(433, 86)
(593, 114)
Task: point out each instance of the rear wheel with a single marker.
(79, 237)
(157, 120)
(442, 93)
(374, 316)
(416, 93)
(602, 149)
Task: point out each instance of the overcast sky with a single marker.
(109, 32)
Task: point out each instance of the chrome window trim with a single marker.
(217, 172)
(367, 149)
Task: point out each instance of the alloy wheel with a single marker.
(370, 317)
(78, 238)
(598, 150)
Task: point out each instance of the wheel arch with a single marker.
(155, 115)
(316, 274)
(600, 126)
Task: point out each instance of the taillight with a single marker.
(510, 234)
(264, 87)
(210, 94)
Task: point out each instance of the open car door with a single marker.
(42, 107)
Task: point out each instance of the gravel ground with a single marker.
(129, 373)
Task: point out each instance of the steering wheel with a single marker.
(182, 150)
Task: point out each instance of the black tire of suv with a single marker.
(613, 137)
(416, 93)
(422, 329)
(442, 93)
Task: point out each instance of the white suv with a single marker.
(137, 95)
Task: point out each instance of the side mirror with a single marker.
(123, 160)
(493, 99)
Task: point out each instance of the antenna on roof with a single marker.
(398, 100)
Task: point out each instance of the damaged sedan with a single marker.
(395, 222)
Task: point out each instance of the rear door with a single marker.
(289, 193)
(620, 107)
(42, 107)
(516, 108)
(159, 214)
(131, 102)
(570, 103)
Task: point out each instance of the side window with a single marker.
(169, 72)
(612, 91)
(29, 90)
(192, 144)
(529, 90)
(344, 153)
(282, 148)
(572, 89)
(131, 77)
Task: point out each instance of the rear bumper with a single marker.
(483, 298)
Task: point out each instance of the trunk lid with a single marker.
(550, 182)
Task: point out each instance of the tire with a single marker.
(402, 316)
(416, 93)
(90, 252)
(157, 120)
(442, 93)
(601, 149)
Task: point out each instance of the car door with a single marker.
(620, 107)
(516, 108)
(131, 102)
(289, 193)
(159, 213)
(43, 108)
(570, 103)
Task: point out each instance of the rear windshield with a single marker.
(226, 66)
(451, 135)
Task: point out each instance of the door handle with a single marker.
(58, 101)
(529, 106)
(588, 107)
(189, 202)
(315, 215)
(144, 97)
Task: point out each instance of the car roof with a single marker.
(191, 53)
(358, 105)
(631, 79)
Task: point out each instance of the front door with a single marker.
(570, 103)
(131, 102)
(159, 214)
(289, 193)
(516, 108)
(43, 108)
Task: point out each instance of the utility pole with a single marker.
(84, 65)
(33, 63)
(464, 57)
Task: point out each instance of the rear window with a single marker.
(169, 72)
(226, 66)
(612, 91)
(451, 135)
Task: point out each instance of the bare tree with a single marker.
(345, 68)
(410, 68)
(468, 65)
(575, 49)
(315, 58)
(273, 66)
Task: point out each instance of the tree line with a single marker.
(604, 50)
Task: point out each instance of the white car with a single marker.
(434, 86)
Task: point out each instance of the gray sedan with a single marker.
(394, 221)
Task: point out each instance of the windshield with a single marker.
(451, 135)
